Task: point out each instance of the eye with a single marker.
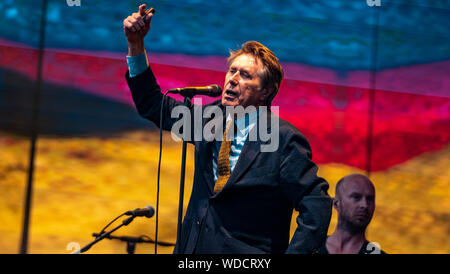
(245, 75)
(232, 71)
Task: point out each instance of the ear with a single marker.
(335, 203)
(265, 94)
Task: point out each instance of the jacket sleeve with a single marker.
(308, 194)
(147, 97)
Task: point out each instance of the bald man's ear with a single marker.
(335, 203)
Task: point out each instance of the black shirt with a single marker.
(366, 248)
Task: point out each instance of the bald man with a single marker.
(355, 204)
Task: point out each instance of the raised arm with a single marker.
(136, 27)
(145, 91)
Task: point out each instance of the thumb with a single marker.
(148, 18)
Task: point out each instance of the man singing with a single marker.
(242, 198)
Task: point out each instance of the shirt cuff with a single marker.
(137, 64)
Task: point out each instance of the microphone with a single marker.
(211, 91)
(147, 211)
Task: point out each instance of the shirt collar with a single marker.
(246, 122)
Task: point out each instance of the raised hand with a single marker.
(136, 27)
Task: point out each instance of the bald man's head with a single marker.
(355, 178)
(355, 200)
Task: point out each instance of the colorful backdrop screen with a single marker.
(368, 86)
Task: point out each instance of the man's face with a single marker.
(243, 83)
(356, 203)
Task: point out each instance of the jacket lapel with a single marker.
(249, 153)
(205, 155)
(205, 161)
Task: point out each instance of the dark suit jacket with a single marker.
(252, 214)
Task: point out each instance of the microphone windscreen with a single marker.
(151, 212)
(216, 90)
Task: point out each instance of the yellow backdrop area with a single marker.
(80, 184)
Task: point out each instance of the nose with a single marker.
(234, 79)
(364, 203)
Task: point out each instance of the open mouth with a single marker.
(231, 95)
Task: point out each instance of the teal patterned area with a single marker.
(338, 34)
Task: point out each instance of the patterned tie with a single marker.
(223, 161)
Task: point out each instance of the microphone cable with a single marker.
(103, 230)
(115, 219)
(159, 170)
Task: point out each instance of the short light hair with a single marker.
(272, 73)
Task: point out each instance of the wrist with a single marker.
(136, 48)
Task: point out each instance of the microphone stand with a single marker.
(187, 103)
(131, 241)
(104, 235)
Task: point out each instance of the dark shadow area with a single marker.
(64, 111)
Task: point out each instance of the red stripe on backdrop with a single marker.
(335, 121)
(333, 117)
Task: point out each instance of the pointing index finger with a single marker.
(142, 9)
